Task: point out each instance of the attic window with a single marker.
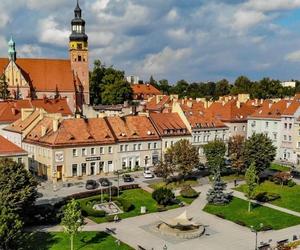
(269, 113)
(134, 133)
(90, 137)
(72, 138)
(122, 134)
(107, 136)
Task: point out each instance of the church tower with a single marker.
(78, 47)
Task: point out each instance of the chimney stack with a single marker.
(55, 125)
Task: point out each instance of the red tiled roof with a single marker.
(204, 121)
(157, 103)
(230, 112)
(132, 128)
(169, 124)
(8, 148)
(45, 75)
(270, 109)
(145, 89)
(292, 108)
(10, 111)
(72, 132)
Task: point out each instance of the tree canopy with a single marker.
(215, 152)
(260, 151)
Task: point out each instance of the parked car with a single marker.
(295, 174)
(128, 178)
(148, 174)
(104, 182)
(90, 184)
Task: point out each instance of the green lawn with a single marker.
(237, 210)
(174, 185)
(290, 196)
(138, 198)
(280, 167)
(83, 241)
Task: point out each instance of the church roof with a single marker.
(45, 75)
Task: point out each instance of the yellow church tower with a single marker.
(79, 54)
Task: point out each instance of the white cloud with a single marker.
(293, 56)
(50, 33)
(45, 4)
(245, 19)
(100, 5)
(272, 5)
(29, 50)
(165, 60)
(100, 38)
(178, 34)
(172, 15)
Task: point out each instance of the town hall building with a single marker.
(33, 78)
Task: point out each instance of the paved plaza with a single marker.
(220, 234)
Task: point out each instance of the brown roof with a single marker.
(132, 128)
(72, 132)
(8, 148)
(145, 89)
(271, 110)
(205, 121)
(45, 75)
(10, 111)
(169, 124)
(230, 111)
(292, 108)
(158, 103)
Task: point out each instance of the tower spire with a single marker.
(12, 54)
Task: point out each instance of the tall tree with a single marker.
(251, 183)
(164, 86)
(259, 150)
(153, 82)
(183, 156)
(215, 155)
(235, 152)
(180, 88)
(164, 169)
(20, 191)
(72, 220)
(11, 226)
(242, 85)
(222, 88)
(96, 77)
(4, 92)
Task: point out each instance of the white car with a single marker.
(148, 174)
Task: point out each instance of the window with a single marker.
(290, 126)
(267, 124)
(79, 58)
(298, 144)
(74, 169)
(126, 147)
(290, 138)
(234, 128)
(121, 148)
(83, 168)
(253, 124)
(154, 145)
(134, 147)
(101, 166)
(275, 136)
(93, 168)
(101, 150)
(166, 144)
(284, 137)
(139, 146)
(84, 152)
(244, 128)
(149, 145)
(172, 143)
(20, 160)
(109, 149)
(93, 151)
(285, 125)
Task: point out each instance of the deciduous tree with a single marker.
(183, 157)
(251, 183)
(72, 220)
(235, 152)
(215, 152)
(4, 92)
(259, 150)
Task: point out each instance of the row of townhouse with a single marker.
(279, 120)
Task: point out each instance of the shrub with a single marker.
(188, 192)
(87, 207)
(291, 183)
(163, 196)
(125, 204)
(266, 196)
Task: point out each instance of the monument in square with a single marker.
(181, 227)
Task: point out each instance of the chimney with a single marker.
(43, 133)
(13, 110)
(55, 125)
(189, 104)
(238, 104)
(25, 113)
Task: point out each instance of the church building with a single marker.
(33, 78)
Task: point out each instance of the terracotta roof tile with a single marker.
(46, 74)
(131, 128)
(8, 148)
(145, 89)
(205, 121)
(169, 124)
(10, 111)
(270, 109)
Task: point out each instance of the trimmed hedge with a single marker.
(266, 196)
(163, 196)
(126, 205)
(189, 192)
(88, 210)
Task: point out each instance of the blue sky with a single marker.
(196, 40)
